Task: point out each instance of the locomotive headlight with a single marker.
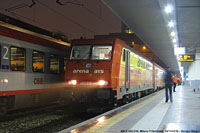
(73, 82)
(5, 80)
(103, 82)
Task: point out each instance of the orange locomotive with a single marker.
(107, 71)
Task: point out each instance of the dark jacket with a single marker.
(168, 77)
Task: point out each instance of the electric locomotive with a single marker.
(107, 71)
(32, 66)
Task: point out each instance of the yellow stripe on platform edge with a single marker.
(102, 126)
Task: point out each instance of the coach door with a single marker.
(127, 70)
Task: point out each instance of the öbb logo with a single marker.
(38, 81)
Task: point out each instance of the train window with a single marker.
(102, 52)
(65, 63)
(38, 61)
(17, 59)
(54, 64)
(80, 52)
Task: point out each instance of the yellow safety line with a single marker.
(102, 127)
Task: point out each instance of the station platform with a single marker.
(149, 114)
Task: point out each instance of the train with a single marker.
(38, 68)
(109, 72)
(32, 65)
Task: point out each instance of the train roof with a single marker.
(93, 41)
(159, 67)
(13, 28)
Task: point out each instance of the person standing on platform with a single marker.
(175, 80)
(168, 84)
(180, 80)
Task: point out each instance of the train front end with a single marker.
(88, 73)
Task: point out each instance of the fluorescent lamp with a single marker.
(171, 24)
(175, 45)
(168, 9)
(172, 33)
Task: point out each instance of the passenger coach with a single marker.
(32, 67)
(108, 71)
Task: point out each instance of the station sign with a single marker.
(186, 58)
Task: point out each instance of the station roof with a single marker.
(149, 21)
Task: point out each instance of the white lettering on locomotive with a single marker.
(87, 71)
(98, 71)
(81, 71)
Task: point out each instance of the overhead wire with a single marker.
(68, 2)
(56, 12)
(66, 18)
(100, 13)
(32, 20)
(82, 5)
(88, 10)
(20, 6)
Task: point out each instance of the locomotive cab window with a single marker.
(80, 52)
(54, 64)
(101, 52)
(17, 59)
(38, 61)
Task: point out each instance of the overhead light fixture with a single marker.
(143, 47)
(132, 43)
(179, 50)
(172, 33)
(168, 9)
(175, 45)
(174, 40)
(171, 24)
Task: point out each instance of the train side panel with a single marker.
(121, 70)
(25, 88)
(135, 72)
(36, 88)
(159, 77)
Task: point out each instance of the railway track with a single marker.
(48, 120)
(51, 119)
(14, 114)
(56, 125)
